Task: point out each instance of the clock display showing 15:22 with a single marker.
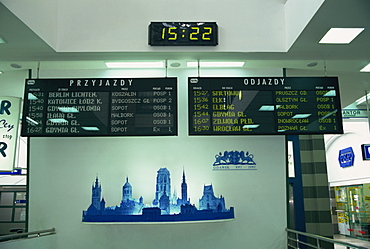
(183, 34)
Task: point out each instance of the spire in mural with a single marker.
(184, 191)
(96, 194)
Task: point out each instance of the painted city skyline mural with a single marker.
(165, 207)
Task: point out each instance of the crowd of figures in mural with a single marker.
(165, 206)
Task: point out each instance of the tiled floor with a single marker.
(353, 241)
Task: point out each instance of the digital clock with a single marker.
(183, 34)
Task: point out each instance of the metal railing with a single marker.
(28, 235)
(297, 239)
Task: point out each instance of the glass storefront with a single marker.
(353, 210)
(13, 209)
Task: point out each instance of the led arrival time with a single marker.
(183, 34)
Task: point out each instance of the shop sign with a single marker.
(342, 217)
(365, 151)
(346, 157)
(291, 171)
(9, 122)
(354, 113)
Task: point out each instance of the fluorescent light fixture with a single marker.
(267, 108)
(362, 99)
(341, 35)
(31, 96)
(331, 93)
(68, 109)
(192, 64)
(86, 128)
(301, 115)
(328, 115)
(215, 64)
(366, 69)
(58, 120)
(31, 121)
(251, 126)
(136, 64)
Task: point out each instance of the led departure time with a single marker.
(193, 34)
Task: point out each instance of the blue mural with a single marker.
(164, 208)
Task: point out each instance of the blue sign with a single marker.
(365, 151)
(346, 157)
(15, 172)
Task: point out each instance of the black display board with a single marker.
(183, 34)
(100, 107)
(264, 105)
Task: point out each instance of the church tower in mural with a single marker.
(96, 194)
(126, 191)
(163, 188)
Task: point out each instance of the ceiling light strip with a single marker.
(366, 69)
(136, 64)
(341, 35)
(2, 40)
(215, 64)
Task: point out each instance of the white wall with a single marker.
(36, 242)
(93, 25)
(356, 132)
(62, 171)
(298, 13)
(12, 83)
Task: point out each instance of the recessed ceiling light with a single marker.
(14, 65)
(31, 97)
(341, 35)
(312, 64)
(58, 120)
(331, 93)
(1, 72)
(366, 69)
(254, 126)
(267, 108)
(329, 114)
(68, 109)
(215, 64)
(363, 99)
(136, 64)
(92, 128)
(31, 121)
(302, 115)
(175, 64)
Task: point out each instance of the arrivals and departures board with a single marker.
(100, 107)
(264, 106)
